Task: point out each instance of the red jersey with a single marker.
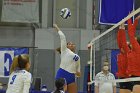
(122, 56)
(134, 54)
(122, 65)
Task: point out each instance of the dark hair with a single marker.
(59, 49)
(59, 84)
(22, 62)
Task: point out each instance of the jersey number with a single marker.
(13, 79)
(75, 58)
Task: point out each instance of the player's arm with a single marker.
(27, 83)
(114, 89)
(78, 72)
(121, 39)
(96, 89)
(131, 26)
(136, 21)
(129, 21)
(120, 35)
(62, 38)
(133, 41)
(138, 17)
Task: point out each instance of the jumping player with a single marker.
(70, 63)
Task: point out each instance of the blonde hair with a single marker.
(17, 62)
(14, 64)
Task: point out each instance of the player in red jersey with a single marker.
(133, 56)
(125, 87)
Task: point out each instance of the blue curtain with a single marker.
(114, 67)
(6, 57)
(113, 11)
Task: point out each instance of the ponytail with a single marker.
(19, 62)
(14, 64)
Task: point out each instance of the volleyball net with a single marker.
(102, 46)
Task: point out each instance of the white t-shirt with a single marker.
(19, 82)
(69, 60)
(105, 87)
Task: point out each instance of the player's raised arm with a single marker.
(62, 38)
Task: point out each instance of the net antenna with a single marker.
(93, 45)
(91, 64)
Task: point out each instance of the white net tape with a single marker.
(117, 80)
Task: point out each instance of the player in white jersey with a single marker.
(70, 63)
(20, 78)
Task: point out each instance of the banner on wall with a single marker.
(6, 57)
(113, 11)
(114, 67)
(20, 11)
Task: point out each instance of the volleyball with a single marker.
(65, 13)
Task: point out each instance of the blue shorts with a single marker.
(70, 77)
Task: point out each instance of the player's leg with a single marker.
(125, 91)
(125, 87)
(136, 87)
(72, 88)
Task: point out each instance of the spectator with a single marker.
(105, 87)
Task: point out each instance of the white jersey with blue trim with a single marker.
(69, 60)
(19, 82)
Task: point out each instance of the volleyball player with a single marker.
(125, 87)
(20, 78)
(70, 63)
(134, 56)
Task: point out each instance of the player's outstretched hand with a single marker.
(56, 27)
